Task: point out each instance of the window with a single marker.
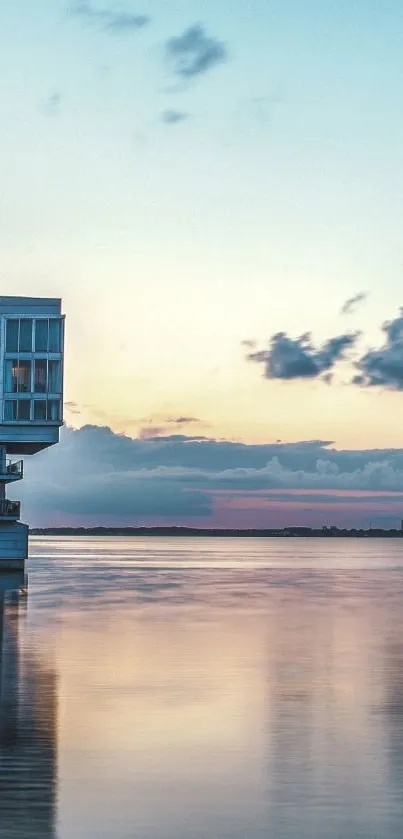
(24, 409)
(40, 409)
(43, 410)
(41, 335)
(53, 410)
(17, 375)
(41, 377)
(48, 335)
(17, 409)
(25, 344)
(11, 375)
(12, 335)
(10, 410)
(54, 378)
(24, 376)
(55, 335)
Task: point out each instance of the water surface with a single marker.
(203, 689)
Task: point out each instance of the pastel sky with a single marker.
(190, 176)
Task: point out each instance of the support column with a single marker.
(3, 467)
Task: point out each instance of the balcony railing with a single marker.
(10, 509)
(15, 469)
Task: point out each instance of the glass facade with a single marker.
(33, 370)
(28, 410)
(40, 409)
(55, 335)
(12, 335)
(25, 336)
(41, 375)
(17, 410)
(54, 376)
(34, 335)
(41, 335)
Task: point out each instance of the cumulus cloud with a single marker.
(322, 474)
(150, 432)
(350, 306)
(98, 477)
(194, 52)
(297, 358)
(171, 117)
(110, 20)
(383, 367)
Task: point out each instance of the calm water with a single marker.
(203, 689)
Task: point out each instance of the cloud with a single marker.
(194, 52)
(350, 306)
(173, 117)
(97, 477)
(151, 432)
(161, 426)
(51, 106)
(248, 343)
(297, 358)
(384, 367)
(183, 420)
(109, 20)
(73, 407)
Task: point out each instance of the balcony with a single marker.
(13, 471)
(10, 510)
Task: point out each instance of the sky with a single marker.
(215, 189)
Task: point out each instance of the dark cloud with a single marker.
(151, 432)
(110, 20)
(194, 52)
(97, 477)
(73, 407)
(151, 428)
(183, 420)
(297, 358)
(351, 304)
(173, 117)
(248, 343)
(384, 367)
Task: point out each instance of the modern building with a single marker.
(31, 402)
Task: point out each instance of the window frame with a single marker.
(53, 359)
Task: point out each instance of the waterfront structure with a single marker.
(31, 402)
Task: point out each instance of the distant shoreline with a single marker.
(268, 533)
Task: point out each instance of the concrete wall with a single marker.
(34, 306)
(28, 439)
(13, 545)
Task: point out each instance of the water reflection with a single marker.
(28, 736)
(391, 707)
(225, 690)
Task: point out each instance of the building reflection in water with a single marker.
(28, 725)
